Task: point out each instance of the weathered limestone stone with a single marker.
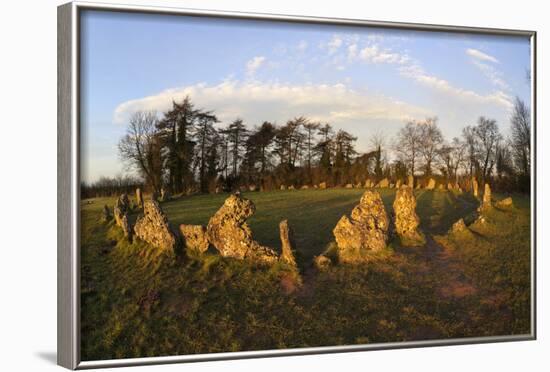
(459, 228)
(153, 227)
(283, 187)
(475, 187)
(486, 202)
(195, 238)
(287, 243)
(505, 203)
(322, 262)
(398, 184)
(410, 181)
(418, 186)
(304, 187)
(315, 186)
(323, 185)
(366, 232)
(121, 217)
(218, 190)
(139, 198)
(431, 184)
(252, 188)
(106, 214)
(164, 195)
(349, 186)
(406, 219)
(383, 183)
(441, 187)
(229, 233)
(291, 187)
(391, 185)
(450, 186)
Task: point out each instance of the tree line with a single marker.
(186, 150)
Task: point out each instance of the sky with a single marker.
(364, 80)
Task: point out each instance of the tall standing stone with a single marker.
(431, 184)
(366, 232)
(410, 181)
(287, 243)
(486, 202)
(475, 187)
(195, 238)
(139, 198)
(406, 219)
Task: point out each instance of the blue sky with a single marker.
(364, 80)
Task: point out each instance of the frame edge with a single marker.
(66, 341)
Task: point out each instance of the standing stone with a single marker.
(323, 185)
(229, 233)
(366, 232)
(505, 203)
(287, 243)
(431, 184)
(383, 183)
(398, 184)
(418, 186)
(410, 181)
(315, 186)
(153, 227)
(406, 219)
(475, 187)
(139, 198)
(120, 212)
(441, 187)
(305, 187)
(106, 214)
(291, 187)
(283, 187)
(322, 262)
(450, 186)
(349, 186)
(486, 202)
(195, 238)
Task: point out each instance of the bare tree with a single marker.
(488, 137)
(310, 130)
(407, 145)
(431, 140)
(140, 147)
(521, 137)
(453, 156)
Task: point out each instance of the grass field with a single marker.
(136, 303)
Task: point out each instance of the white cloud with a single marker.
(334, 44)
(257, 101)
(494, 76)
(375, 54)
(302, 46)
(478, 54)
(254, 64)
(416, 73)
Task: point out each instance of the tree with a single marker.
(174, 132)
(237, 134)
(408, 145)
(453, 157)
(324, 146)
(310, 130)
(206, 139)
(431, 140)
(521, 137)
(488, 136)
(140, 148)
(289, 141)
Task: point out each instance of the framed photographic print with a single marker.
(235, 185)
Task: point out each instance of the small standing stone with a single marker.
(153, 227)
(323, 185)
(195, 238)
(287, 243)
(410, 181)
(431, 184)
(505, 203)
(486, 202)
(475, 187)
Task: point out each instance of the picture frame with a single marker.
(69, 179)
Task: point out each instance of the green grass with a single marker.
(137, 303)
